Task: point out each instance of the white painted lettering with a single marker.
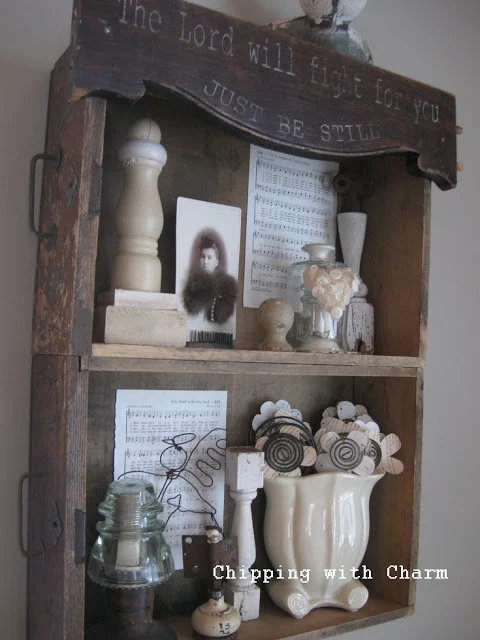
(226, 91)
(338, 130)
(213, 33)
(265, 64)
(286, 128)
(139, 8)
(216, 85)
(184, 24)
(290, 72)
(284, 125)
(379, 86)
(336, 84)
(279, 61)
(325, 129)
(123, 19)
(388, 98)
(360, 133)
(227, 43)
(418, 105)
(154, 19)
(298, 129)
(314, 64)
(254, 52)
(349, 128)
(241, 106)
(357, 88)
(199, 35)
(257, 111)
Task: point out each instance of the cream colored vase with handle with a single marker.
(321, 523)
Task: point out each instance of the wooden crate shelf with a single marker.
(274, 624)
(74, 382)
(143, 359)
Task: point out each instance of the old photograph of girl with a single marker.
(208, 249)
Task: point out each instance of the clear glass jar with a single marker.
(130, 550)
(319, 292)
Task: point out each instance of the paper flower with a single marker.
(390, 445)
(270, 410)
(286, 451)
(345, 452)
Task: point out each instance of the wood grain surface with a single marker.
(274, 88)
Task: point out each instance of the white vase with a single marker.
(317, 523)
(351, 230)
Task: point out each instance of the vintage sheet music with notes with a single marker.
(176, 441)
(291, 202)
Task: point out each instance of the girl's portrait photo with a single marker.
(208, 249)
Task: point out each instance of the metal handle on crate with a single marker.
(26, 553)
(56, 158)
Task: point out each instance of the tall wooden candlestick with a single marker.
(139, 217)
(244, 476)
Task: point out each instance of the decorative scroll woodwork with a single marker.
(278, 90)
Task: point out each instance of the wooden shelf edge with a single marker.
(158, 359)
(275, 624)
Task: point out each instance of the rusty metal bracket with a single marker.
(27, 553)
(56, 158)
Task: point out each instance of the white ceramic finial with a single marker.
(139, 217)
(342, 12)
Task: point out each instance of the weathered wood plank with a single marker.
(394, 257)
(241, 368)
(57, 449)
(64, 288)
(266, 84)
(394, 403)
(132, 352)
(274, 624)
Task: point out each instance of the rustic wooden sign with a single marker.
(296, 95)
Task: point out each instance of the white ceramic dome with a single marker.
(340, 12)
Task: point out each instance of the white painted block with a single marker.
(244, 468)
(358, 326)
(134, 299)
(246, 601)
(152, 327)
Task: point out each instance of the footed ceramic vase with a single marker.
(318, 522)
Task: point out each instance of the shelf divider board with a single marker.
(275, 624)
(138, 358)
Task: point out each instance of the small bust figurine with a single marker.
(276, 318)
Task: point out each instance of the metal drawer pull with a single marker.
(25, 552)
(56, 158)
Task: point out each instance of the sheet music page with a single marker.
(291, 202)
(177, 441)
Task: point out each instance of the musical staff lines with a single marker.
(177, 441)
(291, 202)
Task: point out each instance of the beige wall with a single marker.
(434, 41)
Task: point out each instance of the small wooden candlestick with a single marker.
(244, 477)
(139, 217)
(202, 557)
(276, 318)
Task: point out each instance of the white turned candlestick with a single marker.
(139, 217)
(242, 527)
(244, 475)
